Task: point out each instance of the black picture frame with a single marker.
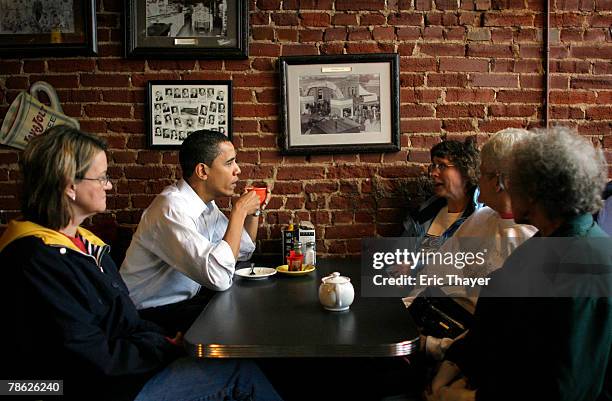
(174, 30)
(339, 104)
(48, 28)
(176, 108)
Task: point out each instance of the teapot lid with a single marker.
(335, 278)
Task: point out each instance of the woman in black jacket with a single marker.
(66, 310)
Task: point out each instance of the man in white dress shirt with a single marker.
(184, 242)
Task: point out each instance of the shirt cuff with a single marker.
(223, 255)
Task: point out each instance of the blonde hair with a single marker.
(49, 164)
(497, 150)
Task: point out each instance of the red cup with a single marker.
(261, 192)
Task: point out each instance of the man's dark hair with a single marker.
(464, 155)
(201, 146)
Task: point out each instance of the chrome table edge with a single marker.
(302, 351)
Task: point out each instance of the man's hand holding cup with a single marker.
(264, 197)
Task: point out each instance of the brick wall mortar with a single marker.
(470, 69)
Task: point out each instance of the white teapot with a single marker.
(336, 292)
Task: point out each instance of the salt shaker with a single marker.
(310, 255)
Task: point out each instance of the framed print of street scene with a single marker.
(34, 28)
(177, 108)
(195, 29)
(340, 103)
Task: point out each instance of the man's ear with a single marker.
(201, 171)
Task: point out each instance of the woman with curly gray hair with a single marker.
(556, 177)
(555, 342)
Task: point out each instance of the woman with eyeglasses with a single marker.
(66, 310)
(491, 227)
(454, 174)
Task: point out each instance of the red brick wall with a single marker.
(467, 68)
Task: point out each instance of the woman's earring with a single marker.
(73, 197)
(500, 182)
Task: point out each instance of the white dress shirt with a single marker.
(178, 247)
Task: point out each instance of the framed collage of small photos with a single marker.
(177, 108)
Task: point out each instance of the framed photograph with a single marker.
(177, 108)
(340, 104)
(202, 29)
(35, 28)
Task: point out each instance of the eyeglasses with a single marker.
(440, 166)
(490, 174)
(104, 180)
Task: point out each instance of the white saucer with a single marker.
(260, 273)
(337, 309)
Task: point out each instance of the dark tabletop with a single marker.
(282, 317)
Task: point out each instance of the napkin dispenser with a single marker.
(303, 233)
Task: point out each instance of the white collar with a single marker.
(196, 205)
